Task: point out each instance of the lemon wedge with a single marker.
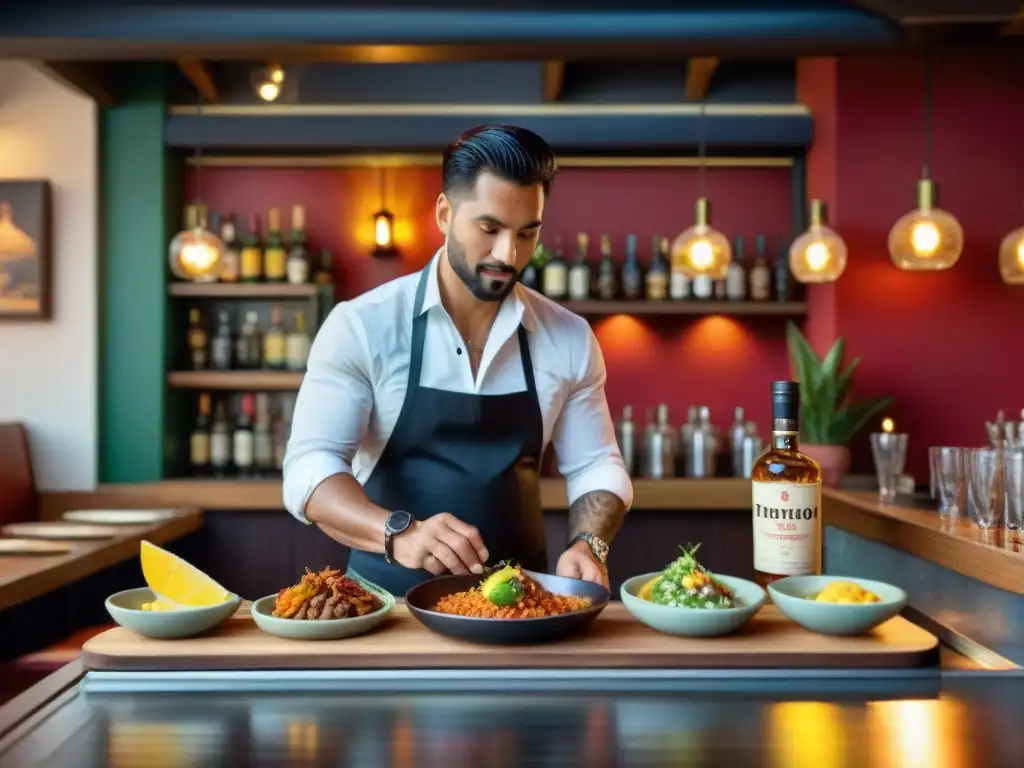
(177, 581)
(647, 590)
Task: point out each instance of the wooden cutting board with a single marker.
(614, 640)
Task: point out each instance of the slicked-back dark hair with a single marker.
(509, 152)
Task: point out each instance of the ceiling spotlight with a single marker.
(267, 82)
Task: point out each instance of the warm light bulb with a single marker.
(701, 249)
(195, 253)
(269, 90)
(1011, 257)
(382, 231)
(927, 238)
(384, 234)
(888, 425)
(276, 74)
(819, 254)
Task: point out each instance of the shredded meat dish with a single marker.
(325, 595)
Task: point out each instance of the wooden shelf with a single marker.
(244, 290)
(235, 379)
(688, 307)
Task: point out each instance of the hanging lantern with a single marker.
(819, 254)
(195, 253)
(702, 249)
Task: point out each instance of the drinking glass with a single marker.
(947, 466)
(1013, 483)
(889, 450)
(983, 465)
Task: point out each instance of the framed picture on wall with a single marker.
(26, 279)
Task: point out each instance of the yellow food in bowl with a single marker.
(644, 593)
(159, 605)
(845, 592)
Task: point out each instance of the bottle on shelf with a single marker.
(198, 342)
(719, 289)
(783, 277)
(532, 271)
(660, 445)
(632, 272)
(700, 450)
(220, 441)
(298, 259)
(232, 250)
(199, 440)
(625, 434)
(263, 444)
(222, 345)
(786, 500)
(282, 427)
(702, 287)
(554, 279)
(249, 344)
(656, 282)
(274, 345)
(251, 268)
(737, 433)
(243, 438)
(760, 274)
(297, 344)
(679, 283)
(607, 283)
(579, 272)
(325, 268)
(736, 277)
(275, 258)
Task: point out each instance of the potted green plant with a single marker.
(830, 416)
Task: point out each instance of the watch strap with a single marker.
(598, 546)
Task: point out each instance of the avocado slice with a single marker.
(503, 587)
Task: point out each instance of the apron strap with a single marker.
(524, 354)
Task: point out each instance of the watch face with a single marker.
(399, 521)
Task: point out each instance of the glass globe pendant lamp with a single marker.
(1011, 257)
(702, 249)
(819, 254)
(196, 254)
(928, 238)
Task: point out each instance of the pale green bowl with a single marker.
(327, 629)
(126, 609)
(694, 622)
(791, 595)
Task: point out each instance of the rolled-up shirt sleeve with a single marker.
(332, 409)
(584, 436)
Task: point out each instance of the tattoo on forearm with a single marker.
(599, 512)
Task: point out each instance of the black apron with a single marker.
(474, 456)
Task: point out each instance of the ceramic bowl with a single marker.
(692, 622)
(126, 609)
(792, 597)
(327, 629)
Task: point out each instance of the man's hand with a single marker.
(578, 562)
(440, 544)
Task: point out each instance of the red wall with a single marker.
(714, 361)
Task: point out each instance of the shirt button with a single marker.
(458, 350)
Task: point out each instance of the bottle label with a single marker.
(220, 449)
(229, 273)
(274, 263)
(274, 349)
(263, 450)
(579, 284)
(220, 351)
(787, 528)
(760, 283)
(298, 271)
(297, 351)
(703, 286)
(679, 285)
(244, 448)
(657, 286)
(200, 449)
(736, 283)
(252, 263)
(554, 281)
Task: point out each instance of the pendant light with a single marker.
(1011, 257)
(819, 254)
(196, 254)
(383, 225)
(702, 249)
(928, 238)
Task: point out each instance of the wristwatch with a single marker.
(598, 546)
(397, 521)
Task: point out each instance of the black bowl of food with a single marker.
(506, 606)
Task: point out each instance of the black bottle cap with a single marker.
(786, 400)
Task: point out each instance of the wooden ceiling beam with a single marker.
(78, 77)
(554, 80)
(200, 77)
(1016, 25)
(699, 72)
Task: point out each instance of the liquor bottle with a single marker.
(198, 350)
(298, 258)
(220, 442)
(263, 444)
(222, 344)
(736, 278)
(530, 278)
(579, 272)
(632, 273)
(243, 438)
(607, 283)
(199, 440)
(297, 344)
(679, 287)
(625, 434)
(325, 269)
(282, 426)
(783, 277)
(232, 250)
(720, 289)
(786, 496)
(274, 346)
(249, 344)
(275, 258)
(656, 282)
(554, 279)
(251, 258)
(760, 274)
(703, 287)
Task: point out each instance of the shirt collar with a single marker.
(515, 307)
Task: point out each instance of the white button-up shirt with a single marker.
(358, 373)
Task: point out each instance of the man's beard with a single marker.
(479, 284)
